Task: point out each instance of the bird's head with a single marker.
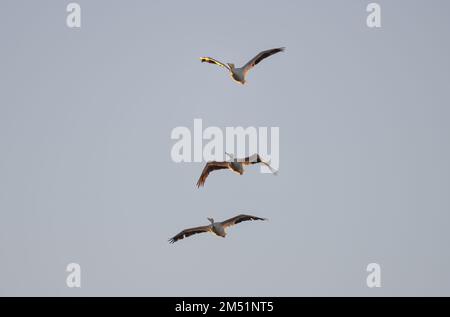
(211, 220)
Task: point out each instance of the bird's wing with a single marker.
(189, 232)
(235, 220)
(264, 54)
(211, 166)
(250, 160)
(254, 159)
(213, 61)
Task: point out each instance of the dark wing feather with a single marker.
(189, 232)
(213, 61)
(252, 159)
(211, 166)
(235, 220)
(262, 55)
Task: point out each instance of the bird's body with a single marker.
(235, 165)
(218, 228)
(239, 73)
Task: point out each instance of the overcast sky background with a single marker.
(86, 174)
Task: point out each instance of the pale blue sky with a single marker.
(85, 168)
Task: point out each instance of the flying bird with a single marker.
(235, 165)
(218, 228)
(239, 74)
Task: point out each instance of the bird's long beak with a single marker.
(274, 171)
(231, 156)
